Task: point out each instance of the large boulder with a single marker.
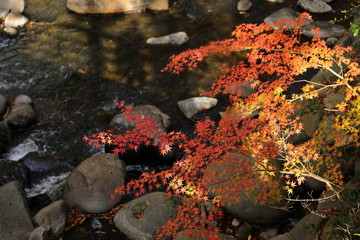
(15, 220)
(115, 6)
(13, 171)
(90, 185)
(140, 218)
(52, 216)
(218, 177)
(327, 29)
(197, 234)
(306, 228)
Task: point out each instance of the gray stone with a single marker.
(16, 5)
(244, 208)
(160, 118)
(90, 185)
(54, 216)
(22, 99)
(191, 106)
(280, 237)
(327, 29)
(333, 98)
(10, 31)
(115, 6)
(315, 6)
(282, 14)
(244, 5)
(197, 234)
(41, 233)
(3, 103)
(15, 220)
(178, 38)
(15, 19)
(306, 228)
(21, 115)
(140, 218)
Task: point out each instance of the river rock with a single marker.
(5, 135)
(13, 171)
(90, 185)
(160, 118)
(22, 113)
(306, 228)
(3, 103)
(327, 29)
(15, 19)
(282, 14)
(53, 216)
(14, 5)
(196, 234)
(41, 233)
(178, 38)
(315, 6)
(244, 5)
(191, 106)
(116, 6)
(140, 218)
(15, 221)
(244, 209)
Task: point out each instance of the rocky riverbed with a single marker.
(74, 67)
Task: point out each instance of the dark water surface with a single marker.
(75, 67)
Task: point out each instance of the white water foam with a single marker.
(51, 186)
(30, 144)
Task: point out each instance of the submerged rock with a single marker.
(22, 113)
(192, 106)
(115, 6)
(178, 38)
(315, 6)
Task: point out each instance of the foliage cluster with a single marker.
(275, 59)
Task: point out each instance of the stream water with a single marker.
(75, 67)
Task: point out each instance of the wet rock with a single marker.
(306, 228)
(160, 118)
(244, 209)
(5, 135)
(197, 234)
(10, 31)
(53, 216)
(13, 171)
(116, 6)
(191, 106)
(315, 6)
(244, 5)
(3, 103)
(282, 14)
(327, 29)
(21, 114)
(140, 218)
(15, 19)
(15, 221)
(15, 5)
(41, 233)
(178, 38)
(90, 185)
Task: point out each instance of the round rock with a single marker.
(327, 30)
(140, 218)
(90, 185)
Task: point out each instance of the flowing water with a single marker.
(75, 67)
